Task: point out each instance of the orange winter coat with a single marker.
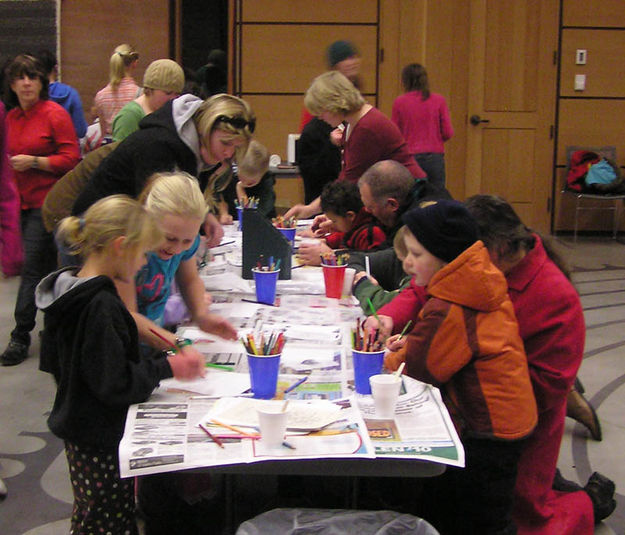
(466, 341)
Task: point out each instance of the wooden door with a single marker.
(511, 104)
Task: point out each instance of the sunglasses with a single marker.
(238, 122)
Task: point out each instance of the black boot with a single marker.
(15, 353)
(601, 492)
(564, 485)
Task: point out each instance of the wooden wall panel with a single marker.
(604, 71)
(286, 58)
(592, 123)
(277, 116)
(588, 13)
(355, 11)
(91, 29)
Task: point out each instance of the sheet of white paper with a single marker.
(215, 383)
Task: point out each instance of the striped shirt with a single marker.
(108, 102)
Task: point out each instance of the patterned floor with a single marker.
(32, 461)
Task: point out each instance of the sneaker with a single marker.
(15, 353)
(601, 492)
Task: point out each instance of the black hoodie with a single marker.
(90, 344)
(167, 140)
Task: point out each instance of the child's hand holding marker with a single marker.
(185, 361)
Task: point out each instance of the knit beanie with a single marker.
(164, 74)
(445, 228)
(339, 51)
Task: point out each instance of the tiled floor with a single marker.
(32, 461)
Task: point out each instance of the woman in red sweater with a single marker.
(42, 147)
(423, 119)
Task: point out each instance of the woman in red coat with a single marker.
(42, 147)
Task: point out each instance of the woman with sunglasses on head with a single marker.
(186, 134)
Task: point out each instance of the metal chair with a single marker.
(615, 200)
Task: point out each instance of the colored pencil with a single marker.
(212, 437)
(219, 367)
(295, 385)
(232, 428)
(404, 330)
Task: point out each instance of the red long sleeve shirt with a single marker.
(44, 130)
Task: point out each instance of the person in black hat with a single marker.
(466, 342)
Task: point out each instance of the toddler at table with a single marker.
(350, 225)
(254, 181)
(90, 345)
(466, 342)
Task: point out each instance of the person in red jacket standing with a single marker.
(42, 147)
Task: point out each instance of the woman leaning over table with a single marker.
(370, 135)
(187, 134)
(42, 147)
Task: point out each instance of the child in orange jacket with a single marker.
(466, 342)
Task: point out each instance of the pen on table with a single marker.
(404, 330)
(295, 385)
(219, 366)
(232, 428)
(287, 445)
(257, 303)
(212, 437)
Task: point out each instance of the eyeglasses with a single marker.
(237, 122)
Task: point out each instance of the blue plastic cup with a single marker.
(366, 364)
(263, 374)
(289, 234)
(265, 282)
(240, 216)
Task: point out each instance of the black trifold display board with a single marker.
(260, 237)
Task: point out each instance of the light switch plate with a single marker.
(580, 82)
(580, 56)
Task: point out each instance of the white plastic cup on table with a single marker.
(265, 283)
(385, 390)
(272, 425)
(366, 364)
(264, 371)
(348, 281)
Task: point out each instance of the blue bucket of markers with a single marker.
(263, 374)
(240, 216)
(265, 282)
(366, 364)
(289, 234)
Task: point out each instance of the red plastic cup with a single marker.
(333, 277)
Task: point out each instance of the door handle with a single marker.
(476, 119)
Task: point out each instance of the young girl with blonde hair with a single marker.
(90, 345)
(120, 90)
(176, 202)
(188, 134)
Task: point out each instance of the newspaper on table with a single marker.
(163, 434)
